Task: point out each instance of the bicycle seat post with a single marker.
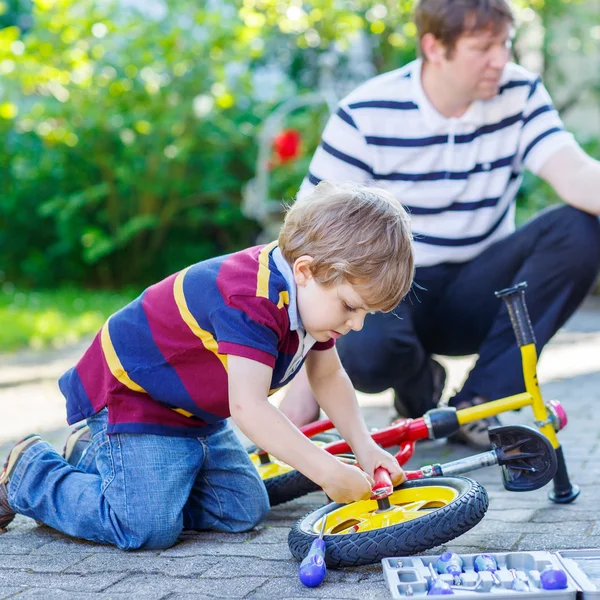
(514, 298)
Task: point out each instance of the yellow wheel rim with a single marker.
(275, 467)
(406, 505)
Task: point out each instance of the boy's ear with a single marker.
(301, 269)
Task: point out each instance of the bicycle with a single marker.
(284, 484)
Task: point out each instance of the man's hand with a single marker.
(347, 483)
(371, 457)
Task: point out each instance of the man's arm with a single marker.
(575, 177)
(270, 430)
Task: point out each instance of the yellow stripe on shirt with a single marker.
(284, 299)
(208, 340)
(262, 279)
(114, 364)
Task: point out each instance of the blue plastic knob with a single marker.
(485, 562)
(450, 563)
(553, 579)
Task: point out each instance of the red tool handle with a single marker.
(383, 484)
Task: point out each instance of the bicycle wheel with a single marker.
(424, 513)
(284, 483)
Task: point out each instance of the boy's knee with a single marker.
(152, 534)
(250, 511)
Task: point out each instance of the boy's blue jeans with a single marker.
(141, 490)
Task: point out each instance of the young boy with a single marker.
(159, 381)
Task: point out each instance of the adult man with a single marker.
(449, 135)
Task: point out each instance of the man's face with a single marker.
(476, 64)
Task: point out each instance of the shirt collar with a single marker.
(436, 121)
(284, 268)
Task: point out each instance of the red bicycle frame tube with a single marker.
(403, 433)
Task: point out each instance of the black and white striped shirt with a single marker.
(457, 177)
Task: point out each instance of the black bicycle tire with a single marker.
(289, 486)
(432, 529)
(292, 485)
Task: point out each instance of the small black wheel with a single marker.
(284, 483)
(423, 514)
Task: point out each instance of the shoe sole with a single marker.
(73, 438)
(15, 454)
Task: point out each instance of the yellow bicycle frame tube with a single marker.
(532, 397)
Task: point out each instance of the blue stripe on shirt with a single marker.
(132, 340)
(394, 105)
(455, 206)
(439, 175)
(443, 139)
(534, 85)
(439, 241)
(346, 158)
(344, 116)
(539, 138)
(459, 206)
(536, 112)
(513, 84)
(314, 180)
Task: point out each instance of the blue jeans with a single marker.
(141, 490)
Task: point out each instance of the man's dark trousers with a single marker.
(452, 310)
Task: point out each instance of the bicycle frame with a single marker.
(437, 423)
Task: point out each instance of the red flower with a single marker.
(287, 145)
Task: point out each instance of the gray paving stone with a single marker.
(64, 595)
(271, 551)
(11, 592)
(286, 588)
(41, 563)
(59, 581)
(490, 526)
(235, 566)
(235, 587)
(137, 563)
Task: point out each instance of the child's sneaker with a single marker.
(76, 444)
(7, 514)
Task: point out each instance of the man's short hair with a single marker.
(356, 234)
(447, 20)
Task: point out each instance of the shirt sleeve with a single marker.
(342, 155)
(543, 132)
(251, 327)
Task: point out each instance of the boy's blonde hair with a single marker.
(355, 234)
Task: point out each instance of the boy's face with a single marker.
(327, 312)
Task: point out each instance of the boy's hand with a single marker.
(372, 457)
(347, 483)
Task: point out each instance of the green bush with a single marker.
(127, 137)
(54, 318)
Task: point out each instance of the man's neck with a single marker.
(439, 93)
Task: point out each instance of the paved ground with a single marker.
(39, 562)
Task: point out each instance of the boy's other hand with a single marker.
(372, 457)
(347, 483)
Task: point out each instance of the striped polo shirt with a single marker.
(160, 363)
(457, 177)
